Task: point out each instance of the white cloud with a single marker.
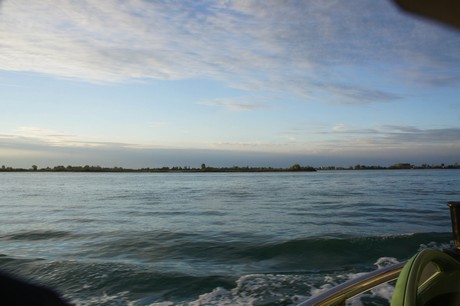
(391, 137)
(236, 104)
(271, 45)
(339, 127)
(47, 137)
(385, 145)
(355, 95)
(157, 124)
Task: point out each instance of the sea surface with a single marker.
(217, 238)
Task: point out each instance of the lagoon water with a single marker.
(217, 238)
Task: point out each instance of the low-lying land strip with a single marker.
(204, 168)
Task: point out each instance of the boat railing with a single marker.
(338, 295)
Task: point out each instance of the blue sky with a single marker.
(260, 83)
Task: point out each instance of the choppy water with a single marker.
(217, 238)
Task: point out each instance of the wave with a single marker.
(251, 289)
(349, 250)
(144, 268)
(214, 247)
(251, 254)
(37, 235)
(113, 283)
(166, 268)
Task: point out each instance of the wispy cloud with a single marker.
(380, 144)
(342, 94)
(254, 44)
(337, 136)
(404, 134)
(391, 136)
(50, 138)
(236, 104)
(157, 124)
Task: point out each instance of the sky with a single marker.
(153, 83)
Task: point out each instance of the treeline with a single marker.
(295, 167)
(204, 168)
(395, 166)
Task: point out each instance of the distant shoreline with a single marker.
(205, 169)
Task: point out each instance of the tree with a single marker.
(34, 167)
(203, 166)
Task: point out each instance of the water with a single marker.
(217, 238)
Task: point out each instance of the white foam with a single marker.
(116, 299)
(435, 245)
(384, 291)
(253, 289)
(383, 262)
(288, 289)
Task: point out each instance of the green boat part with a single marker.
(431, 277)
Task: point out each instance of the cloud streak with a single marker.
(271, 45)
(236, 104)
(43, 137)
(376, 145)
(341, 94)
(24, 152)
(392, 137)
